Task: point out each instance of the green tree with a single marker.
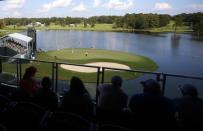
(85, 24)
(178, 22)
(1, 23)
(92, 24)
(152, 20)
(198, 28)
(164, 20)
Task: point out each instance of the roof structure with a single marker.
(20, 37)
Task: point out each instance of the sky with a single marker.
(88, 8)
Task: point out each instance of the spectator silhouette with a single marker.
(77, 99)
(111, 102)
(45, 97)
(152, 109)
(190, 108)
(111, 96)
(28, 84)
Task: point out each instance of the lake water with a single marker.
(183, 56)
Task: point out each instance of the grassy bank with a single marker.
(97, 27)
(109, 28)
(94, 55)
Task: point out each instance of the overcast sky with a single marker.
(87, 8)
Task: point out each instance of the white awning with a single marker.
(20, 37)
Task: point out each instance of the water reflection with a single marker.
(175, 43)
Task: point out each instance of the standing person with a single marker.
(86, 53)
(45, 97)
(151, 109)
(190, 108)
(77, 99)
(111, 96)
(28, 83)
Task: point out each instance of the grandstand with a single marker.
(18, 43)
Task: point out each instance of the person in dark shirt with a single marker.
(77, 99)
(112, 101)
(151, 109)
(111, 96)
(189, 108)
(45, 97)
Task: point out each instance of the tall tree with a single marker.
(164, 20)
(178, 22)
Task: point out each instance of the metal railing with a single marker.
(100, 74)
(160, 76)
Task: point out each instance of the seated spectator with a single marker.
(111, 96)
(28, 82)
(151, 109)
(111, 103)
(190, 108)
(45, 97)
(77, 99)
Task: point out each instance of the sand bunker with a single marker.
(92, 70)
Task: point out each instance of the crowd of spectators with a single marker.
(148, 110)
(10, 43)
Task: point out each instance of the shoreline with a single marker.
(97, 28)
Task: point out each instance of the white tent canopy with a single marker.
(20, 37)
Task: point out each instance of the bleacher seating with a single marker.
(15, 46)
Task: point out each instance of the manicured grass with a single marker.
(108, 27)
(95, 55)
(78, 57)
(97, 27)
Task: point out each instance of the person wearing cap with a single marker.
(189, 108)
(151, 108)
(111, 96)
(28, 83)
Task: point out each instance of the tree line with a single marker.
(128, 21)
(194, 21)
(142, 21)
